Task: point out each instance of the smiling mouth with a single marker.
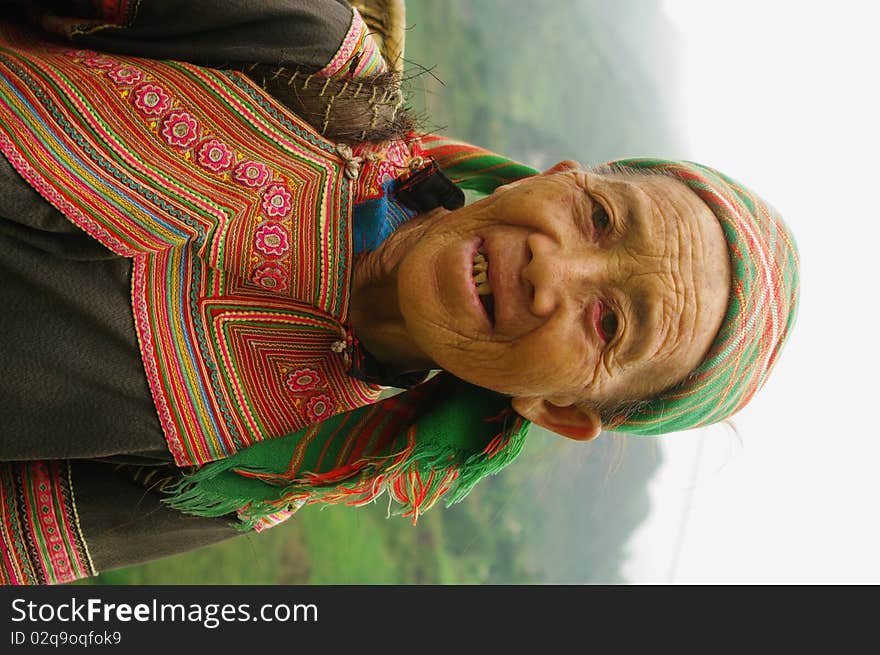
(481, 282)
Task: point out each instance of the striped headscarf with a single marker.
(761, 309)
(764, 287)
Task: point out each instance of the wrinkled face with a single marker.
(604, 288)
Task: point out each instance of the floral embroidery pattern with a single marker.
(99, 62)
(215, 155)
(303, 379)
(154, 111)
(151, 99)
(180, 129)
(251, 173)
(272, 239)
(381, 163)
(270, 276)
(312, 394)
(125, 75)
(276, 201)
(319, 407)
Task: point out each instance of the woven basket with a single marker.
(387, 21)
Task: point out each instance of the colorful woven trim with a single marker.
(760, 314)
(358, 55)
(41, 541)
(237, 218)
(381, 163)
(472, 167)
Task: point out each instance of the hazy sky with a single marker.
(784, 97)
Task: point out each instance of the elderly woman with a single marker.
(210, 273)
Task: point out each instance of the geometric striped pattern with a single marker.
(382, 163)
(471, 167)
(358, 55)
(761, 310)
(236, 216)
(40, 538)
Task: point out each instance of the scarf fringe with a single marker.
(416, 479)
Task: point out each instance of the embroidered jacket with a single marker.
(237, 217)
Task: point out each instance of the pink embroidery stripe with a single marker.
(357, 43)
(41, 539)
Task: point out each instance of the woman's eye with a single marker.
(601, 222)
(608, 326)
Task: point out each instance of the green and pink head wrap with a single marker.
(764, 289)
(760, 312)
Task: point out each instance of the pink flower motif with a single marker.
(271, 239)
(276, 201)
(125, 75)
(251, 173)
(270, 276)
(151, 99)
(302, 379)
(99, 62)
(215, 155)
(319, 407)
(180, 129)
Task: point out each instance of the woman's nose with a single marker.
(556, 273)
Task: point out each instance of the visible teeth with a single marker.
(480, 274)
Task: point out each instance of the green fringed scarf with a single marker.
(437, 440)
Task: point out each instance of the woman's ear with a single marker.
(572, 421)
(564, 166)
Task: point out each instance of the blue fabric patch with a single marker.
(375, 220)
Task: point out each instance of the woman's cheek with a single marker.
(571, 356)
(541, 367)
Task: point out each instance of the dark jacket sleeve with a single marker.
(124, 522)
(207, 32)
(73, 382)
